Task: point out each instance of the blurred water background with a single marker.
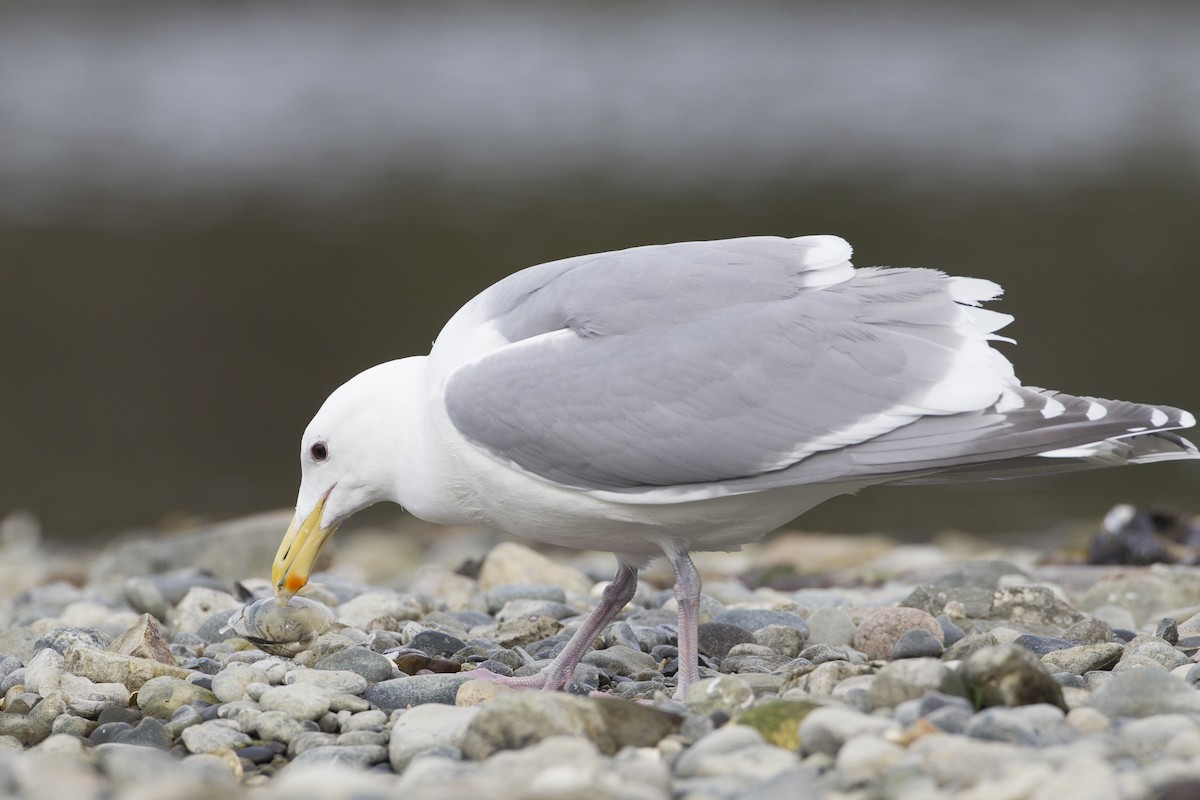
(211, 214)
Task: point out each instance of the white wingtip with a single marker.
(822, 251)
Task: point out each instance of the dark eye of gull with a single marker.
(319, 451)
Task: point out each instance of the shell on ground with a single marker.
(281, 630)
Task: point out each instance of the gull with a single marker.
(675, 398)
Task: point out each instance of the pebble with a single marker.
(880, 630)
(958, 691)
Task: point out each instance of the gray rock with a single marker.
(230, 683)
(951, 633)
(60, 639)
(1150, 651)
(784, 640)
(363, 755)
(373, 666)
(341, 681)
(372, 719)
(831, 626)
(1084, 658)
(1167, 630)
(727, 693)
(621, 660)
(751, 619)
(277, 726)
(183, 717)
(998, 724)
(1035, 608)
(144, 640)
(1041, 645)
(425, 728)
(1144, 693)
(149, 732)
(716, 638)
(415, 690)
(202, 604)
(734, 750)
(1008, 675)
(360, 611)
(437, 643)
(823, 653)
(1143, 593)
(984, 574)
(910, 679)
(825, 730)
(213, 737)
(969, 644)
(498, 596)
(88, 699)
(881, 629)
(1089, 630)
(917, 643)
(513, 563)
(299, 700)
(129, 765)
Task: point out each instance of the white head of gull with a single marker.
(693, 396)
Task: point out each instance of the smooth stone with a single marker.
(375, 667)
(864, 760)
(129, 765)
(1008, 675)
(160, 697)
(880, 630)
(716, 638)
(753, 619)
(1150, 651)
(183, 717)
(831, 626)
(44, 672)
(372, 719)
(512, 721)
(1142, 594)
(1041, 645)
(72, 725)
(1088, 631)
(1144, 693)
(213, 737)
(513, 563)
(149, 732)
(200, 605)
(415, 690)
(728, 752)
(621, 660)
(917, 643)
(362, 755)
(910, 711)
(727, 693)
(231, 682)
(910, 679)
(822, 653)
(826, 729)
(969, 644)
(498, 596)
(423, 728)
(437, 643)
(1084, 658)
(341, 681)
(359, 612)
(299, 700)
(784, 640)
(277, 726)
(1037, 725)
(951, 633)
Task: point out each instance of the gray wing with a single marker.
(712, 362)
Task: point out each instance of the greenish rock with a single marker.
(1084, 658)
(1008, 675)
(161, 697)
(778, 721)
(515, 720)
(976, 602)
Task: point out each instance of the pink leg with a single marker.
(687, 595)
(558, 672)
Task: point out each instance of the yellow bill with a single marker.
(298, 552)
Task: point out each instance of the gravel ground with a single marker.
(954, 669)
